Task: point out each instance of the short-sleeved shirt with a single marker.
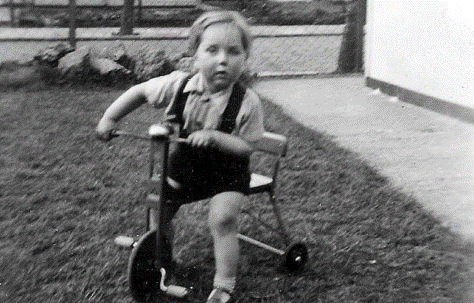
(203, 110)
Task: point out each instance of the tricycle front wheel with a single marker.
(143, 275)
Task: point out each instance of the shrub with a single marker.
(111, 65)
(150, 63)
(106, 65)
(47, 74)
(50, 56)
(292, 13)
(15, 75)
(278, 15)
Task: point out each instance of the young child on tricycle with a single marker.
(219, 120)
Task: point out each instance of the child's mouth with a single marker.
(221, 75)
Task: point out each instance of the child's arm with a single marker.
(225, 142)
(126, 103)
(157, 92)
(250, 129)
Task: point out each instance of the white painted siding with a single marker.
(424, 46)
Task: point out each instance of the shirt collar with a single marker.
(196, 85)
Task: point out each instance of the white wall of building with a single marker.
(423, 46)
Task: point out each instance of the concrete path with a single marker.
(426, 154)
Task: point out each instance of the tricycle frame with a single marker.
(294, 258)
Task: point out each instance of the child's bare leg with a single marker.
(223, 222)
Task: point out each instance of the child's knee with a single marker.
(224, 213)
(222, 224)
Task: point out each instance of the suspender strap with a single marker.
(175, 114)
(233, 107)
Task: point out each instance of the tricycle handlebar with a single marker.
(118, 133)
(155, 131)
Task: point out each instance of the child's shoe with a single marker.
(220, 295)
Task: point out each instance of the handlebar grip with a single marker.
(117, 133)
(160, 131)
(156, 131)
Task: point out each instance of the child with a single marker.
(220, 121)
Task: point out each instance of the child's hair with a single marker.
(213, 17)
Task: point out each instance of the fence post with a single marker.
(139, 12)
(12, 13)
(126, 25)
(346, 62)
(360, 22)
(72, 22)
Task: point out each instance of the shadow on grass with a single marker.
(64, 197)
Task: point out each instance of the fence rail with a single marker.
(99, 3)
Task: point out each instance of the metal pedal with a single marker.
(124, 241)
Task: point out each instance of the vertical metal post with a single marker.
(150, 216)
(361, 11)
(126, 25)
(140, 12)
(151, 167)
(12, 13)
(72, 22)
(158, 209)
(164, 168)
(281, 225)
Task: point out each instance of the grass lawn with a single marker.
(64, 196)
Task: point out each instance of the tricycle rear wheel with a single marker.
(296, 257)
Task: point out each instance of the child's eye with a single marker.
(211, 49)
(235, 51)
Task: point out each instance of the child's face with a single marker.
(220, 56)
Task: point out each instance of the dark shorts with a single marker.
(204, 173)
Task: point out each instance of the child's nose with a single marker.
(222, 57)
